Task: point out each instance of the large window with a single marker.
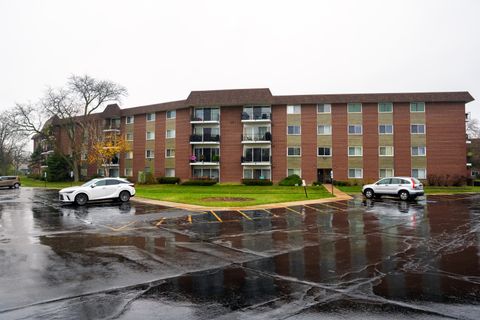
(255, 133)
(206, 134)
(256, 155)
(419, 173)
(385, 151)
(385, 129)
(324, 129)
(324, 151)
(355, 129)
(129, 155)
(172, 114)
(169, 172)
(149, 154)
(355, 173)
(385, 107)
(128, 172)
(129, 119)
(256, 113)
(150, 135)
(386, 172)
(207, 114)
(129, 136)
(419, 151)
(354, 107)
(211, 173)
(294, 109)
(249, 173)
(293, 130)
(296, 171)
(151, 116)
(324, 108)
(206, 155)
(417, 128)
(417, 107)
(169, 153)
(294, 152)
(355, 151)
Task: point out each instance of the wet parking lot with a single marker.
(350, 259)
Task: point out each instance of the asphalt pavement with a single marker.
(338, 260)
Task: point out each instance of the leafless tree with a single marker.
(12, 143)
(473, 128)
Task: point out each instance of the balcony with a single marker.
(204, 139)
(111, 128)
(256, 161)
(256, 117)
(113, 163)
(205, 119)
(257, 138)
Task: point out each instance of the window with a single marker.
(354, 107)
(129, 155)
(419, 151)
(206, 114)
(256, 173)
(83, 156)
(206, 155)
(256, 155)
(294, 109)
(324, 129)
(169, 153)
(355, 173)
(151, 116)
(385, 107)
(324, 108)
(355, 129)
(417, 128)
(150, 135)
(386, 172)
(324, 152)
(385, 151)
(129, 136)
(355, 151)
(417, 107)
(205, 172)
(296, 171)
(129, 120)
(294, 152)
(128, 172)
(257, 113)
(170, 133)
(293, 130)
(169, 172)
(149, 154)
(172, 114)
(419, 173)
(385, 129)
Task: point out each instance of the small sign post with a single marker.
(304, 185)
(331, 178)
(45, 178)
(71, 177)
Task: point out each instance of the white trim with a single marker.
(385, 133)
(385, 155)
(324, 134)
(294, 134)
(424, 107)
(361, 173)
(351, 103)
(324, 104)
(418, 124)
(146, 154)
(151, 120)
(126, 136)
(166, 151)
(418, 155)
(424, 169)
(166, 114)
(126, 174)
(166, 134)
(380, 176)
(295, 156)
(128, 153)
(126, 119)
(355, 155)
(146, 135)
(378, 110)
(294, 106)
(325, 156)
(299, 169)
(355, 134)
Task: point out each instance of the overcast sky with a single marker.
(161, 50)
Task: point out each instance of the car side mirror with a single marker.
(93, 186)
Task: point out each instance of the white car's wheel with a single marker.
(369, 194)
(404, 195)
(16, 185)
(81, 199)
(124, 196)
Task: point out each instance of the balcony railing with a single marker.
(256, 116)
(256, 159)
(205, 138)
(205, 118)
(267, 136)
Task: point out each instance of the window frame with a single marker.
(127, 154)
(324, 134)
(294, 107)
(324, 147)
(424, 170)
(324, 105)
(354, 104)
(386, 176)
(167, 175)
(170, 130)
(153, 135)
(150, 114)
(416, 106)
(385, 155)
(419, 155)
(355, 125)
(126, 172)
(151, 151)
(167, 151)
(170, 111)
(355, 148)
(417, 125)
(129, 117)
(299, 171)
(296, 148)
(385, 103)
(355, 177)
(126, 136)
(295, 134)
(385, 125)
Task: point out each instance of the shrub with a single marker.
(168, 180)
(35, 176)
(200, 182)
(291, 181)
(58, 168)
(257, 182)
(341, 183)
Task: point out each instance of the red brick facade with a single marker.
(401, 138)
(279, 142)
(339, 141)
(231, 148)
(370, 141)
(309, 143)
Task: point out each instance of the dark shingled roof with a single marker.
(235, 97)
(172, 105)
(461, 96)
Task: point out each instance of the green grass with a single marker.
(428, 190)
(195, 194)
(256, 194)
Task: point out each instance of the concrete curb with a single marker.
(339, 196)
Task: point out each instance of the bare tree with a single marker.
(473, 128)
(12, 143)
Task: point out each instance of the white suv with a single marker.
(98, 189)
(403, 187)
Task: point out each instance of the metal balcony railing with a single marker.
(257, 137)
(256, 159)
(205, 118)
(256, 116)
(204, 138)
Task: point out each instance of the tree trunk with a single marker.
(76, 173)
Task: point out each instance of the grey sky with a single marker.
(161, 50)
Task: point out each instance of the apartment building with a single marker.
(250, 133)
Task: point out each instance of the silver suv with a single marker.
(403, 187)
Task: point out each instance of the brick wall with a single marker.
(160, 132)
(339, 141)
(139, 145)
(279, 142)
(401, 139)
(370, 141)
(231, 148)
(182, 144)
(309, 143)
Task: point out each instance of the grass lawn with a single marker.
(195, 194)
(256, 194)
(428, 190)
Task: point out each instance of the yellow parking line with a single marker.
(312, 208)
(244, 215)
(297, 212)
(159, 222)
(331, 207)
(190, 218)
(215, 215)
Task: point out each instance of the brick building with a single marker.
(250, 133)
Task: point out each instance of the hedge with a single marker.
(168, 180)
(200, 182)
(291, 181)
(257, 182)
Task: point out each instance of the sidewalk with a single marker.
(339, 196)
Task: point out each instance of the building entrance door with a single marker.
(323, 175)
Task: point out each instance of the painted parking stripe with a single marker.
(297, 212)
(159, 222)
(244, 215)
(215, 215)
(123, 227)
(306, 206)
(190, 218)
(332, 207)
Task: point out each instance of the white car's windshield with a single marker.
(88, 183)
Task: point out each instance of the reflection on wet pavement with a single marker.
(355, 259)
